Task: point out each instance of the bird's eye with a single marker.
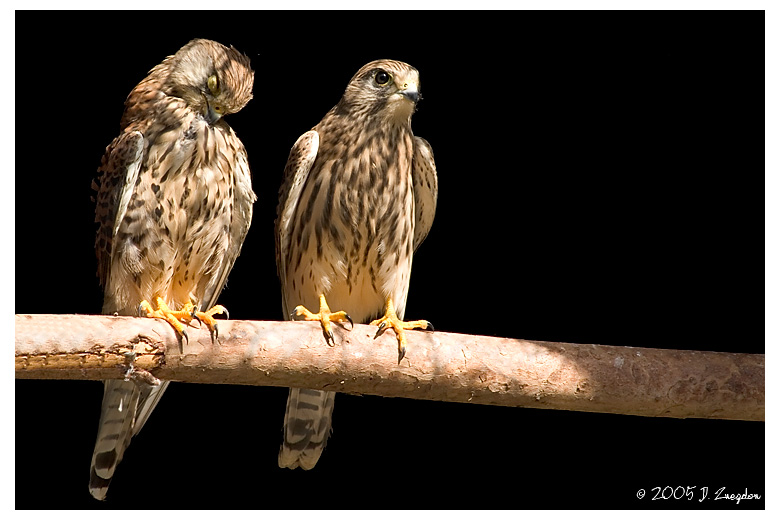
(381, 77)
(213, 84)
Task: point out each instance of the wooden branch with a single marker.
(438, 366)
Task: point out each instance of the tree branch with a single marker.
(438, 366)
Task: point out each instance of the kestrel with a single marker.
(358, 197)
(174, 204)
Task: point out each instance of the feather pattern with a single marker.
(174, 204)
(346, 222)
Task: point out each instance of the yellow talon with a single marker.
(325, 317)
(207, 318)
(185, 316)
(165, 313)
(390, 319)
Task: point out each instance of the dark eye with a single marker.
(381, 77)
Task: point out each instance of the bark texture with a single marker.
(438, 366)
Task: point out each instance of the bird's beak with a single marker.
(410, 92)
(213, 112)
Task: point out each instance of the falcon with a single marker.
(357, 199)
(174, 203)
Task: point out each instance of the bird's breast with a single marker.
(182, 211)
(354, 232)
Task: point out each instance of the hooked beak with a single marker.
(410, 92)
(213, 112)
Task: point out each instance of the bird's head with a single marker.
(213, 79)
(386, 88)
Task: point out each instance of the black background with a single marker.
(601, 181)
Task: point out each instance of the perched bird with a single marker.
(358, 197)
(174, 203)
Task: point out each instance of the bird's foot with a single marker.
(325, 317)
(186, 315)
(390, 320)
(177, 319)
(207, 317)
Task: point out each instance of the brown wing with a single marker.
(120, 166)
(299, 163)
(426, 189)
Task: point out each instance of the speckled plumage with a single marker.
(174, 203)
(358, 197)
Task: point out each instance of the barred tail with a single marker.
(126, 406)
(306, 427)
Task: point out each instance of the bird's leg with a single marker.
(324, 317)
(165, 313)
(391, 320)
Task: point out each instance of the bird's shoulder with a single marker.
(302, 155)
(296, 171)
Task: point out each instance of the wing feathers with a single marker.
(296, 172)
(426, 189)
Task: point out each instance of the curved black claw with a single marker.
(329, 338)
(215, 333)
(401, 354)
(227, 314)
(185, 337)
(381, 330)
(351, 323)
(429, 326)
(194, 315)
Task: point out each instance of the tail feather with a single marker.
(306, 427)
(126, 406)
